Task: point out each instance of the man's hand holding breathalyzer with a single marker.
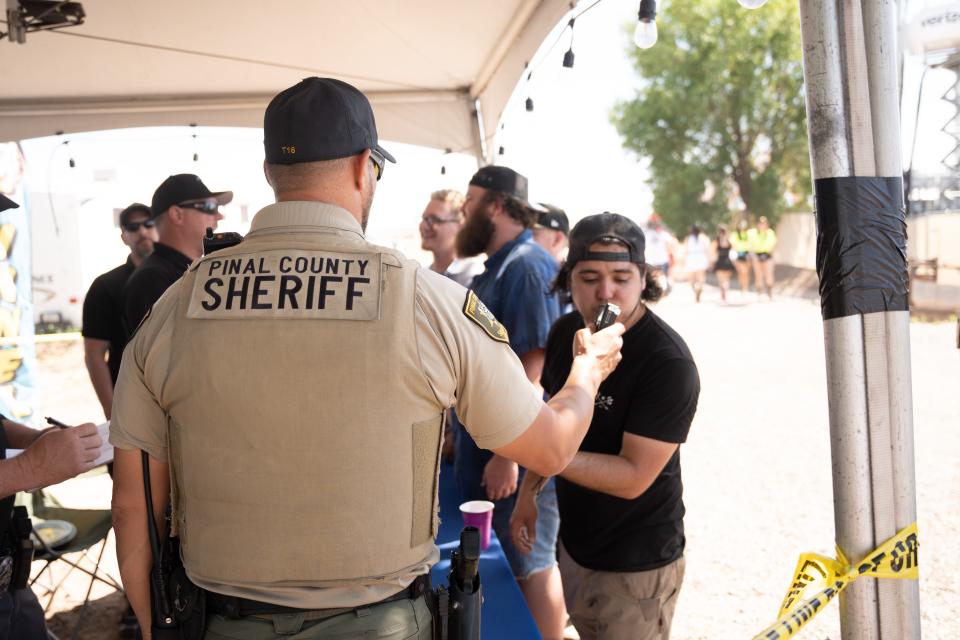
(601, 348)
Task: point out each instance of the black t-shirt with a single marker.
(154, 276)
(652, 393)
(103, 313)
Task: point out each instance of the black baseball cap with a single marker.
(184, 187)
(606, 228)
(136, 207)
(551, 217)
(7, 203)
(501, 180)
(319, 119)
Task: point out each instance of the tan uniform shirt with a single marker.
(282, 380)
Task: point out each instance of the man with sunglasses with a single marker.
(182, 208)
(103, 330)
(290, 392)
(439, 224)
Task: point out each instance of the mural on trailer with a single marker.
(18, 360)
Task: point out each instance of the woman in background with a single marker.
(723, 267)
(740, 240)
(763, 240)
(697, 260)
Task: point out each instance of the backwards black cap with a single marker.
(551, 217)
(7, 203)
(319, 119)
(501, 180)
(606, 228)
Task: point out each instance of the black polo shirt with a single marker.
(155, 274)
(103, 313)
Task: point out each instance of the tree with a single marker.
(720, 110)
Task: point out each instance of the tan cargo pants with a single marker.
(399, 620)
(605, 605)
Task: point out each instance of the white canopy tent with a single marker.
(438, 73)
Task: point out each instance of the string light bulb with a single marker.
(752, 4)
(196, 156)
(645, 35)
(529, 104)
(568, 56)
(443, 166)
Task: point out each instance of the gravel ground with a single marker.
(756, 467)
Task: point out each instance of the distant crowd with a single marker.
(747, 251)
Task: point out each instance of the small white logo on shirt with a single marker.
(603, 402)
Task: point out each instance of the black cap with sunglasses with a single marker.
(187, 190)
(129, 212)
(321, 119)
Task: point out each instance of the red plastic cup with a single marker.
(479, 514)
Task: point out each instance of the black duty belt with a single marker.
(234, 608)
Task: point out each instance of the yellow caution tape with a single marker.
(818, 579)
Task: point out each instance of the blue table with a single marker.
(505, 615)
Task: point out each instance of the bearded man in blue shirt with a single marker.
(516, 287)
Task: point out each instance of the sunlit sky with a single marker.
(566, 146)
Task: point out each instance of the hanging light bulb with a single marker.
(196, 156)
(645, 35)
(568, 56)
(443, 167)
(752, 4)
(71, 161)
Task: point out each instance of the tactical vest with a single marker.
(304, 444)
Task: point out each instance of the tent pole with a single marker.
(850, 55)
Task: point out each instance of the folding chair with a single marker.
(92, 528)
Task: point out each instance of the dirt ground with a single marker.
(756, 466)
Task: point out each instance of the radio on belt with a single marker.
(608, 314)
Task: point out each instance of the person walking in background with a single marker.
(103, 333)
(439, 224)
(660, 248)
(740, 241)
(763, 240)
(697, 258)
(723, 266)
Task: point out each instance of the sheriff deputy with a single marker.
(290, 393)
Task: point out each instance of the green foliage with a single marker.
(720, 102)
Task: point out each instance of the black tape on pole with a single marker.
(861, 245)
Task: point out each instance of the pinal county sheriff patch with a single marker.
(478, 312)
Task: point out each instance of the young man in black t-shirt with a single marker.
(620, 500)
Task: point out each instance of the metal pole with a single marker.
(888, 334)
(831, 156)
(850, 58)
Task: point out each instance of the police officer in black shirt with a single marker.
(620, 499)
(183, 208)
(103, 334)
